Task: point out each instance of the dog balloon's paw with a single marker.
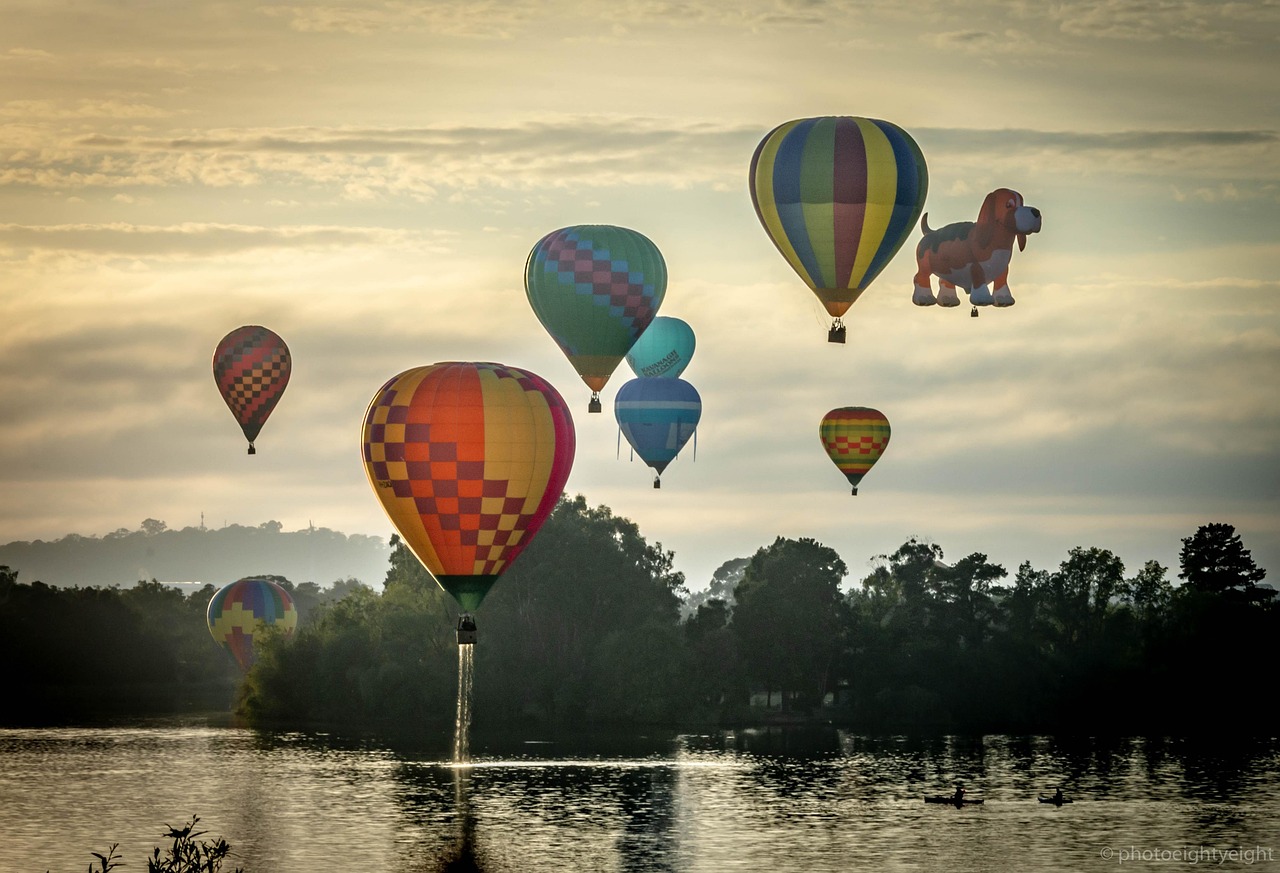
(981, 296)
(947, 297)
(1003, 297)
(923, 296)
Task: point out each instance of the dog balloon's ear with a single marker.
(986, 225)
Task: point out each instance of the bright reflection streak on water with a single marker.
(775, 801)
(462, 722)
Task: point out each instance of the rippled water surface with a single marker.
(754, 800)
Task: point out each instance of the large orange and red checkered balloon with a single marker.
(854, 437)
(468, 460)
(244, 608)
(251, 366)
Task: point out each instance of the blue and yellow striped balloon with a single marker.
(838, 195)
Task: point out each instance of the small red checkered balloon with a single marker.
(468, 460)
(251, 366)
(854, 437)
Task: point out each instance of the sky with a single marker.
(366, 178)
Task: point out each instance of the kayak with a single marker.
(1055, 801)
(948, 798)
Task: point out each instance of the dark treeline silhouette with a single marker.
(592, 626)
(100, 652)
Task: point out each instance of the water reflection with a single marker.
(779, 800)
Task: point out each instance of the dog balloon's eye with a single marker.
(1010, 204)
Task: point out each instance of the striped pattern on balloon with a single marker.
(854, 438)
(838, 195)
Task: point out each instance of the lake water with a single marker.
(775, 801)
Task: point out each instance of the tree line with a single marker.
(101, 652)
(593, 626)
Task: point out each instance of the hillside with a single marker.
(199, 555)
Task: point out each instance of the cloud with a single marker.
(22, 55)
(49, 110)
(1197, 21)
(506, 20)
(361, 163)
(199, 239)
(1253, 154)
(456, 19)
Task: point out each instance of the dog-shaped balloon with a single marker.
(971, 254)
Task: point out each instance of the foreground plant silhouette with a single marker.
(188, 854)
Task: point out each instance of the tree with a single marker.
(1150, 592)
(789, 618)
(966, 590)
(723, 581)
(151, 527)
(561, 617)
(1081, 590)
(1215, 561)
(715, 674)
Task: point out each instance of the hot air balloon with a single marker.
(468, 460)
(974, 254)
(663, 350)
(239, 611)
(595, 288)
(251, 366)
(657, 416)
(838, 195)
(854, 437)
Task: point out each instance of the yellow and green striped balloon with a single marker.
(854, 437)
(838, 195)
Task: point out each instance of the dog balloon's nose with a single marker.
(1035, 212)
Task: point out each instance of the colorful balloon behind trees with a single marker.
(468, 460)
(595, 288)
(838, 195)
(663, 350)
(854, 437)
(251, 366)
(240, 611)
(657, 416)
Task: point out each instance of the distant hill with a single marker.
(199, 555)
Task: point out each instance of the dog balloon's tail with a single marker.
(924, 224)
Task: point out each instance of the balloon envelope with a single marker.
(838, 195)
(239, 611)
(657, 416)
(251, 366)
(468, 460)
(854, 437)
(663, 350)
(595, 288)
